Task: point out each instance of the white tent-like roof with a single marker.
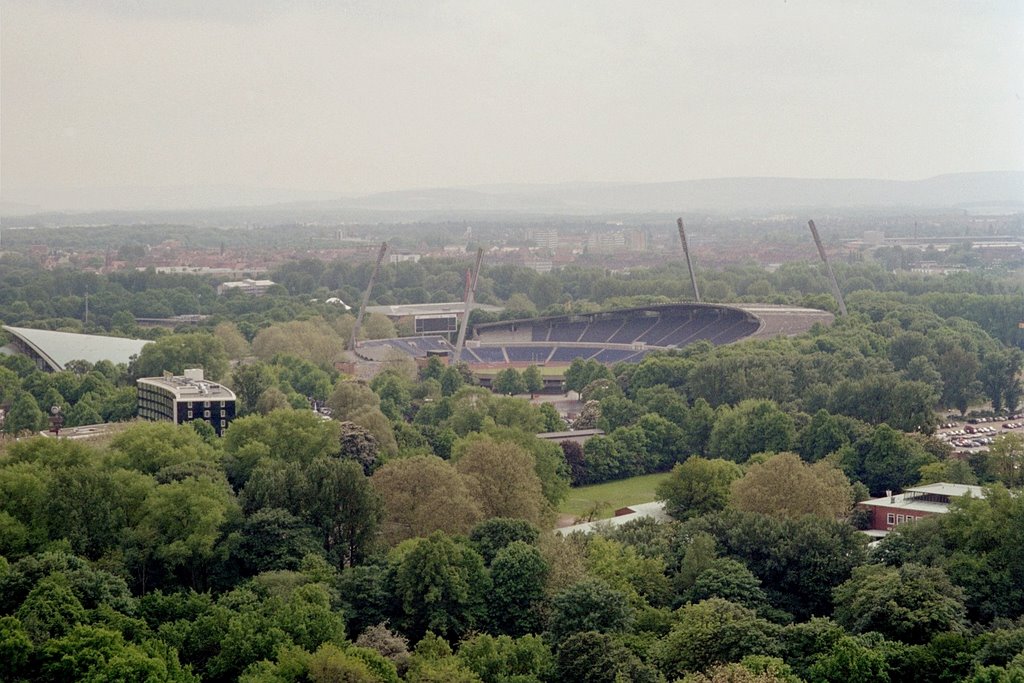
(56, 349)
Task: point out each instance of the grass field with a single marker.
(611, 495)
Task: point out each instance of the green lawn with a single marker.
(612, 495)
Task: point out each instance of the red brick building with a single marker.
(913, 504)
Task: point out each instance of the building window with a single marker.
(900, 519)
(206, 404)
(223, 413)
(206, 414)
(190, 404)
(190, 414)
(890, 518)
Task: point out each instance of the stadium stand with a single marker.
(491, 354)
(633, 329)
(610, 336)
(602, 331)
(569, 332)
(528, 354)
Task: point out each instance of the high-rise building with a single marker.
(185, 398)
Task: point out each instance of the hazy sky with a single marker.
(350, 97)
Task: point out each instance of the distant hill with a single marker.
(713, 195)
(999, 189)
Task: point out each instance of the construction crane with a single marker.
(366, 297)
(828, 266)
(470, 293)
(689, 263)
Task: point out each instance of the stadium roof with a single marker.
(56, 349)
(403, 310)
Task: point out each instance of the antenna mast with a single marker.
(366, 297)
(828, 266)
(689, 263)
(470, 292)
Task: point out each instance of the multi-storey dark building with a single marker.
(186, 398)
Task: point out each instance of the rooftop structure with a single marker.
(52, 351)
(623, 516)
(411, 310)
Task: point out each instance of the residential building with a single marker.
(185, 398)
(249, 286)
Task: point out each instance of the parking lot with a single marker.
(978, 433)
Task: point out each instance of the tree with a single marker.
(395, 392)
(697, 487)
(697, 427)
(270, 400)
(272, 539)
(235, 345)
(151, 446)
(501, 477)
(574, 459)
(349, 397)
(176, 352)
(1005, 458)
(345, 507)
(441, 586)
(593, 657)
(590, 605)
(359, 444)
(24, 415)
(999, 375)
(533, 379)
(600, 389)
(377, 424)
(286, 435)
(15, 649)
(509, 382)
(713, 632)
(851, 659)
(249, 382)
(423, 494)
(960, 386)
(641, 579)
(516, 599)
(553, 422)
(798, 561)
(50, 610)
(491, 535)
(753, 426)
(786, 486)
(581, 372)
(392, 646)
(95, 653)
(826, 433)
(331, 494)
(506, 659)
(312, 340)
(729, 580)
(377, 326)
(618, 411)
(884, 459)
(911, 603)
(180, 532)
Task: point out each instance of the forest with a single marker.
(409, 537)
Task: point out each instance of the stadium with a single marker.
(609, 337)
